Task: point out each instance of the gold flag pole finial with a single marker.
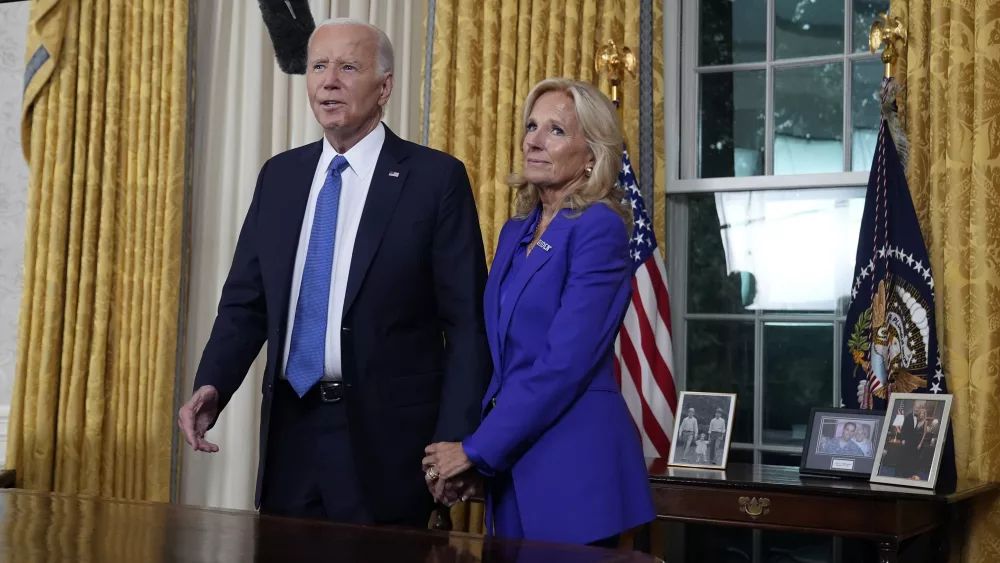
(891, 33)
(617, 62)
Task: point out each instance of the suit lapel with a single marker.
(382, 197)
(290, 206)
(491, 301)
(552, 240)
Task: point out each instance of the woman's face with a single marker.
(555, 151)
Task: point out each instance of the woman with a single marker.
(560, 452)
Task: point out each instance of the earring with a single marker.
(588, 171)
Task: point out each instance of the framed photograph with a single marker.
(912, 439)
(841, 442)
(702, 430)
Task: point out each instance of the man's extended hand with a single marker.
(197, 415)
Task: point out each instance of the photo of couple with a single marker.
(847, 437)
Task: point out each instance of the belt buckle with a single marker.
(331, 391)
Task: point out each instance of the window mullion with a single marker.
(848, 69)
(769, 94)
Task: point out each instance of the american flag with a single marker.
(643, 349)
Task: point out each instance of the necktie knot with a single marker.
(338, 165)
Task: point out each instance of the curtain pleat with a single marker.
(951, 111)
(92, 410)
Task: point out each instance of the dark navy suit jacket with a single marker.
(560, 424)
(415, 358)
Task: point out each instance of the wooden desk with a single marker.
(37, 527)
(778, 498)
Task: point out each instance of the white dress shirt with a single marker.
(356, 179)
(717, 425)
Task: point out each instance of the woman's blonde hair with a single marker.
(601, 128)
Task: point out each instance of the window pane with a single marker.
(775, 458)
(865, 12)
(808, 28)
(809, 119)
(739, 455)
(711, 288)
(732, 31)
(720, 360)
(731, 127)
(794, 249)
(798, 375)
(866, 113)
(785, 546)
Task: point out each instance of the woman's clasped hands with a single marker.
(449, 473)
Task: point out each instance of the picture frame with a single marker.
(912, 440)
(826, 452)
(697, 442)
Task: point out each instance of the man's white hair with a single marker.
(383, 55)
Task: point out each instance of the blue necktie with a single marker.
(307, 352)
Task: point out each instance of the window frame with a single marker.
(681, 66)
(681, 99)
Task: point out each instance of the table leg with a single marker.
(940, 545)
(888, 552)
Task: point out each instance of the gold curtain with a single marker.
(951, 72)
(105, 137)
(486, 57)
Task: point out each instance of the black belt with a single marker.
(330, 391)
(323, 391)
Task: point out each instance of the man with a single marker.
(689, 428)
(716, 435)
(361, 264)
(844, 444)
(910, 435)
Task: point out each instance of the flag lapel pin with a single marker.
(394, 174)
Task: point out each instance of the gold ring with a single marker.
(432, 474)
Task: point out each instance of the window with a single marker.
(776, 103)
(778, 113)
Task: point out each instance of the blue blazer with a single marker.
(559, 423)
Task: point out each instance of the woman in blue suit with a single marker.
(560, 453)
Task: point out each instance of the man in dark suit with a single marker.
(910, 435)
(361, 264)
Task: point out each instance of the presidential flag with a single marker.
(890, 339)
(643, 353)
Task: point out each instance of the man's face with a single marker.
(346, 91)
(691, 413)
(848, 433)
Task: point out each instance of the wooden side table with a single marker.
(778, 498)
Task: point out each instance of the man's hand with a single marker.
(197, 415)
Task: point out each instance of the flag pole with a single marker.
(890, 33)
